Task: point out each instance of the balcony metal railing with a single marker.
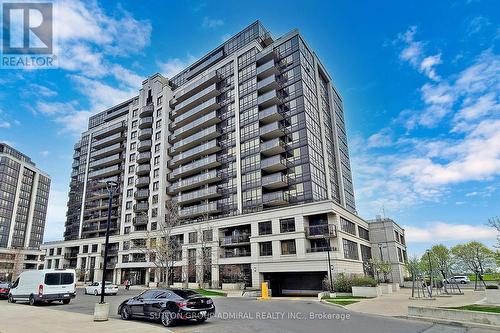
(266, 55)
(144, 145)
(191, 141)
(235, 254)
(271, 114)
(273, 147)
(140, 220)
(141, 194)
(142, 181)
(320, 249)
(192, 127)
(110, 129)
(206, 193)
(321, 231)
(141, 206)
(234, 240)
(195, 86)
(143, 169)
(146, 122)
(275, 180)
(115, 148)
(269, 98)
(107, 140)
(197, 111)
(205, 94)
(116, 158)
(204, 149)
(145, 133)
(143, 157)
(108, 171)
(193, 167)
(267, 69)
(211, 207)
(146, 110)
(275, 198)
(272, 130)
(273, 164)
(269, 83)
(194, 181)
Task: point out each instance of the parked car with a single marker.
(4, 289)
(168, 306)
(458, 279)
(96, 287)
(46, 285)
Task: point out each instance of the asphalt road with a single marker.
(278, 315)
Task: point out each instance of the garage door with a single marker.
(295, 283)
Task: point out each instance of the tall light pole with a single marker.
(111, 186)
(328, 249)
(430, 272)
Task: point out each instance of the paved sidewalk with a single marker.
(396, 304)
(15, 318)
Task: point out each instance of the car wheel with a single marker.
(11, 299)
(96, 292)
(167, 318)
(66, 301)
(125, 313)
(32, 300)
(463, 282)
(85, 291)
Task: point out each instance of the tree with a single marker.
(494, 222)
(163, 249)
(381, 267)
(473, 257)
(204, 262)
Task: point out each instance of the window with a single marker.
(126, 231)
(287, 225)
(156, 173)
(158, 124)
(128, 205)
(350, 249)
(155, 199)
(265, 228)
(347, 226)
(134, 124)
(133, 145)
(288, 247)
(130, 192)
(366, 253)
(157, 147)
(130, 181)
(85, 249)
(51, 252)
(156, 186)
(157, 135)
(266, 249)
(94, 248)
(363, 233)
(154, 225)
(134, 135)
(193, 237)
(207, 235)
(400, 255)
(396, 236)
(54, 279)
(131, 168)
(157, 160)
(128, 218)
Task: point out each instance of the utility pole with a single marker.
(430, 272)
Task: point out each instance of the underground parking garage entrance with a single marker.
(295, 283)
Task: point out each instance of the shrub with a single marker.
(407, 278)
(364, 281)
(491, 286)
(342, 284)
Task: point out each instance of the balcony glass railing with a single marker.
(198, 210)
(208, 91)
(191, 140)
(108, 129)
(202, 194)
(206, 106)
(195, 124)
(191, 167)
(110, 159)
(204, 149)
(193, 181)
(105, 171)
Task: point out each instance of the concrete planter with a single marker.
(193, 285)
(395, 287)
(153, 284)
(386, 288)
(476, 317)
(178, 285)
(408, 284)
(366, 291)
(101, 312)
(326, 294)
(493, 296)
(343, 294)
(233, 286)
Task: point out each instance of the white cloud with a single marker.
(477, 23)
(42, 90)
(44, 153)
(442, 231)
(427, 66)
(211, 23)
(173, 66)
(382, 138)
(5, 124)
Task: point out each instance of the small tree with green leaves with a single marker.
(474, 257)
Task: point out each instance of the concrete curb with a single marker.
(336, 305)
(450, 322)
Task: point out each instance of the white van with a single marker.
(46, 285)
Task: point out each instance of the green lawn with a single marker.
(486, 277)
(209, 292)
(480, 308)
(345, 300)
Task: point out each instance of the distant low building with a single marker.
(389, 244)
(24, 195)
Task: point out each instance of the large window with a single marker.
(193, 237)
(265, 228)
(347, 226)
(288, 246)
(287, 225)
(266, 249)
(366, 252)
(363, 233)
(350, 249)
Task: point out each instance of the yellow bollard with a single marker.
(265, 292)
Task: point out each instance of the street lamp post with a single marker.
(430, 272)
(101, 311)
(328, 249)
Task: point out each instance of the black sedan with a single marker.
(4, 290)
(168, 306)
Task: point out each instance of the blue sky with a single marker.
(420, 82)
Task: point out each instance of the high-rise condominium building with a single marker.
(250, 144)
(24, 194)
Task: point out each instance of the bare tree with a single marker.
(204, 260)
(163, 248)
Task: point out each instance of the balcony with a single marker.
(193, 153)
(273, 164)
(203, 194)
(269, 83)
(195, 181)
(112, 251)
(146, 111)
(321, 231)
(108, 140)
(141, 207)
(266, 55)
(207, 134)
(146, 133)
(142, 182)
(195, 87)
(235, 240)
(107, 161)
(141, 194)
(191, 128)
(267, 69)
(272, 130)
(146, 122)
(275, 198)
(272, 147)
(320, 249)
(194, 167)
(271, 114)
(105, 172)
(236, 253)
(143, 169)
(143, 157)
(198, 210)
(70, 255)
(202, 96)
(268, 99)
(144, 145)
(110, 150)
(275, 180)
(118, 127)
(140, 220)
(195, 113)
